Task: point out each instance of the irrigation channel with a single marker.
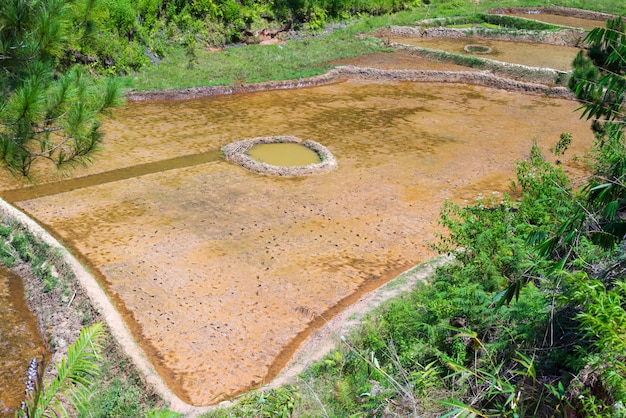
(220, 273)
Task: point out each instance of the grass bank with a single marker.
(308, 54)
(253, 63)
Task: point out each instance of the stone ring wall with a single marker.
(477, 49)
(236, 152)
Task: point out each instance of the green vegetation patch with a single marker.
(473, 25)
(294, 59)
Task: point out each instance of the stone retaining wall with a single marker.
(338, 74)
(561, 11)
(206, 91)
(518, 72)
(482, 78)
(565, 37)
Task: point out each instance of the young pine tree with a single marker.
(46, 111)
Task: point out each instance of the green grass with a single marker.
(254, 63)
(120, 391)
(607, 6)
(311, 56)
(494, 22)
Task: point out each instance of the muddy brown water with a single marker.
(221, 273)
(574, 22)
(530, 54)
(20, 341)
(283, 154)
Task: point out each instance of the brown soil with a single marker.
(562, 11)
(20, 341)
(323, 340)
(406, 63)
(574, 22)
(533, 55)
(236, 152)
(79, 300)
(343, 73)
(564, 37)
(59, 315)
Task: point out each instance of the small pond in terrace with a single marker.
(399, 60)
(533, 55)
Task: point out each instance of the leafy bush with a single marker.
(8, 255)
(273, 403)
(122, 16)
(603, 320)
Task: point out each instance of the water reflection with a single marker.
(19, 343)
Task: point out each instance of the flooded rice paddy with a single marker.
(529, 54)
(221, 273)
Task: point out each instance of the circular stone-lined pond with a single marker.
(477, 49)
(281, 156)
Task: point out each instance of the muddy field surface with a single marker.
(571, 21)
(221, 273)
(399, 60)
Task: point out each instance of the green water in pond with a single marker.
(284, 154)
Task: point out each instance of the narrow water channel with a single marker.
(20, 341)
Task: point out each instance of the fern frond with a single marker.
(75, 373)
